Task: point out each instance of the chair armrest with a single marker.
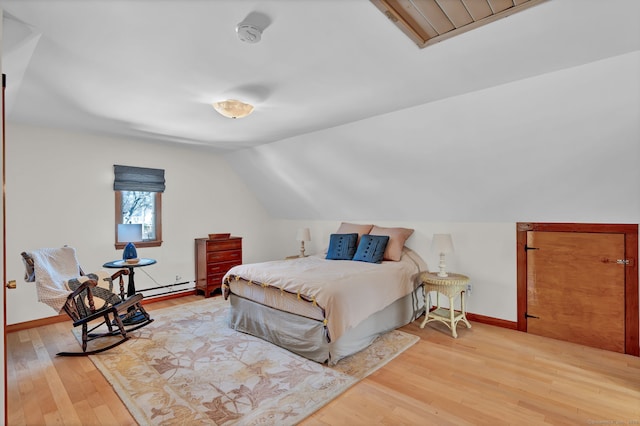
(71, 306)
(126, 304)
(119, 273)
(84, 286)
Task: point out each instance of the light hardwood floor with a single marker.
(488, 376)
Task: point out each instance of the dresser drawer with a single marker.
(225, 256)
(220, 268)
(214, 280)
(220, 245)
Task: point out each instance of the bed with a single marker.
(325, 309)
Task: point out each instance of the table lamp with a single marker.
(442, 244)
(303, 235)
(129, 233)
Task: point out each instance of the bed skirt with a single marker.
(308, 337)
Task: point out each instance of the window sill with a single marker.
(140, 244)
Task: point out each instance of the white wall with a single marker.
(560, 147)
(60, 191)
(485, 251)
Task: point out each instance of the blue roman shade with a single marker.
(128, 178)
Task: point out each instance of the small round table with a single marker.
(131, 288)
(450, 286)
(119, 264)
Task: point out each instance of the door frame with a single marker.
(630, 231)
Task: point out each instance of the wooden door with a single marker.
(579, 282)
(576, 288)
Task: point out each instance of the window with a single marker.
(138, 194)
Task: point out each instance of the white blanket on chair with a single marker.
(53, 268)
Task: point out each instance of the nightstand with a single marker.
(450, 286)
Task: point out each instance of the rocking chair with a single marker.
(62, 284)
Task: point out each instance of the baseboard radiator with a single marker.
(163, 290)
(160, 292)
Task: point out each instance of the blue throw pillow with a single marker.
(371, 248)
(342, 246)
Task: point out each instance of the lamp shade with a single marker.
(442, 243)
(303, 235)
(232, 108)
(129, 232)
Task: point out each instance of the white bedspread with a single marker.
(348, 291)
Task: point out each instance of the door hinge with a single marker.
(526, 315)
(527, 248)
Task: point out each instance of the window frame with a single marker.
(158, 214)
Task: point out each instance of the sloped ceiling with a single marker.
(150, 70)
(560, 147)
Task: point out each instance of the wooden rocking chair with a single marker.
(78, 294)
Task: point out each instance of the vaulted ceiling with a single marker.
(150, 70)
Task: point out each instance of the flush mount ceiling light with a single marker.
(232, 108)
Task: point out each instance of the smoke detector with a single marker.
(248, 33)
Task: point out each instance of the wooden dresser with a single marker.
(214, 257)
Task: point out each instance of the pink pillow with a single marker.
(397, 237)
(351, 228)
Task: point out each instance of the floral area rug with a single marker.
(189, 368)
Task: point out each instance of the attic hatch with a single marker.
(427, 22)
